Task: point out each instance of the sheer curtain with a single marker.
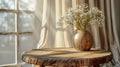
(53, 34)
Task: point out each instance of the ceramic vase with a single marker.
(83, 40)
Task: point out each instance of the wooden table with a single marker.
(66, 57)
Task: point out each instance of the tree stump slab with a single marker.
(66, 57)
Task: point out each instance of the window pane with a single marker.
(26, 42)
(26, 22)
(7, 4)
(7, 22)
(7, 49)
(27, 5)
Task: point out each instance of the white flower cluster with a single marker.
(82, 16)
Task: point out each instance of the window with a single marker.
(17, 20)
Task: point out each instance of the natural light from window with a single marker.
(17, 21)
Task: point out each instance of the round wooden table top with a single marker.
(66, 56)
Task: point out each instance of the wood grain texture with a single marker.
(66, 57)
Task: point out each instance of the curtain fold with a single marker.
(115, 47)
(103, 38)
(59, 38)
(51, 25)
(44, 25)
(68, 30)
(95, 28)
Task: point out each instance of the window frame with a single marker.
(16, 32)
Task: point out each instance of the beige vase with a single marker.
(83, 40)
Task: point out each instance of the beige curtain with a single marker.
(53, 34)
(107, 36)
(47, 29)
(115, 13)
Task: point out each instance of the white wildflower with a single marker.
(82, 16)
